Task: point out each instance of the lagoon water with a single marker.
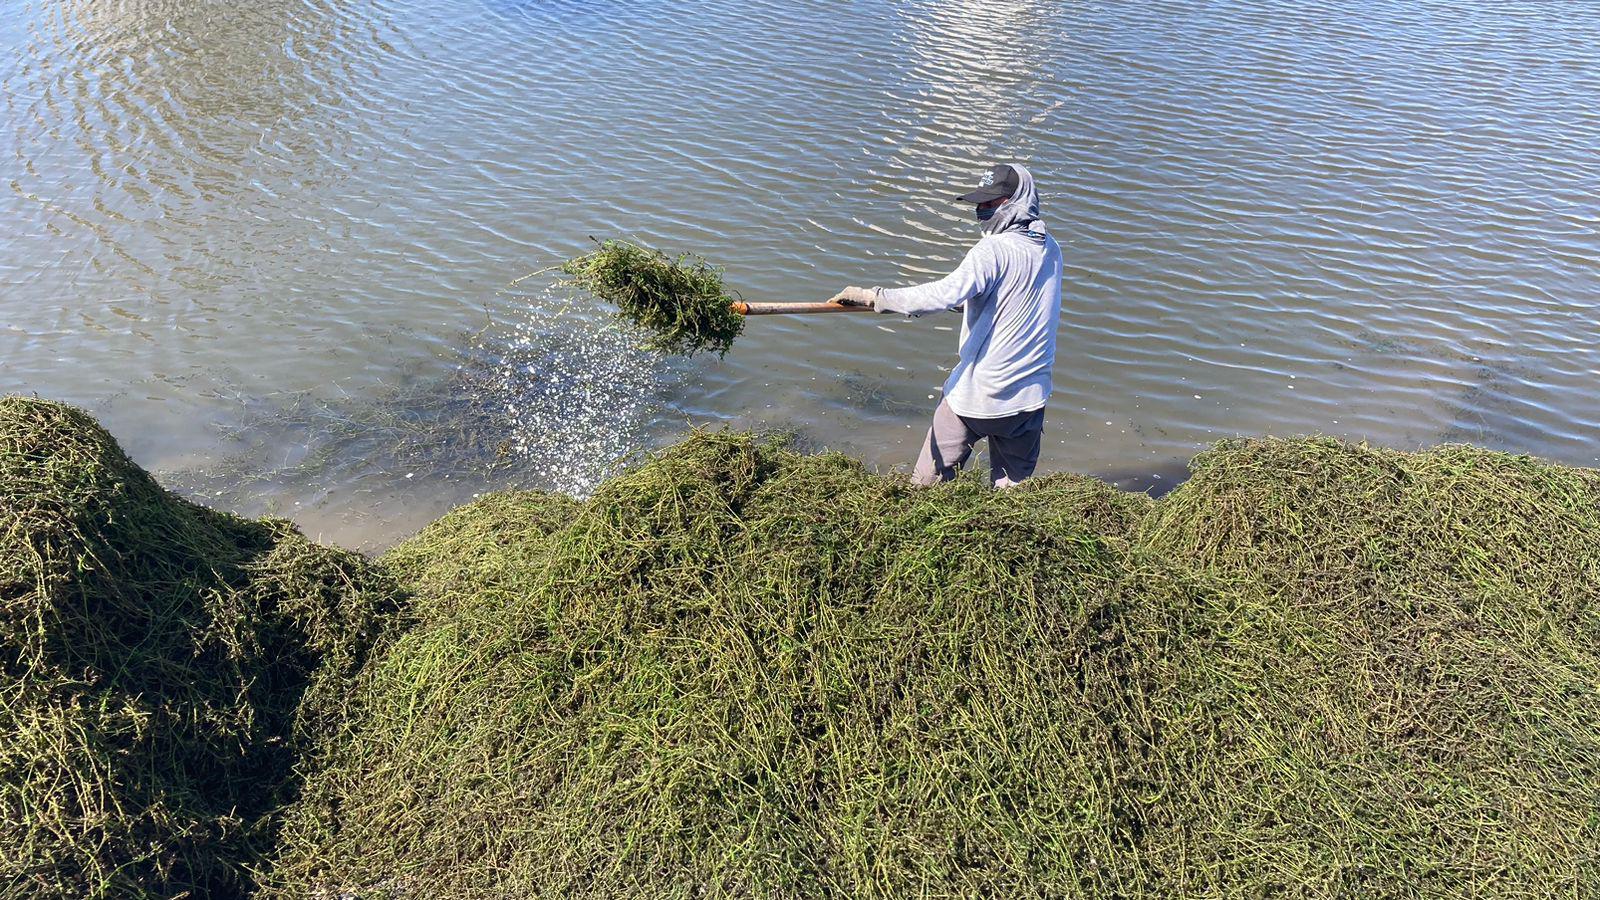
(270, 244)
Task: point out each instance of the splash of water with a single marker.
(553, 399)
(579, 396)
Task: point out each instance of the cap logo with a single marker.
(987, 180)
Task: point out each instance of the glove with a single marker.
(856, 296)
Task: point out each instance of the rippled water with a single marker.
(1371, 219)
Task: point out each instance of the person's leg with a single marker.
(1014, 450)
(946, 448)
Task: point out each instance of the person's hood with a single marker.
(1021, 212)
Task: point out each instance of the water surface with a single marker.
(237, 231)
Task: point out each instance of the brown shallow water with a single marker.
(269, 243)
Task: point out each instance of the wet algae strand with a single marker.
(679, 301)
(1315, 669)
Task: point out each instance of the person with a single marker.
(1009, 287)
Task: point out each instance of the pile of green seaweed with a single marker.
(167, 673)
(1314, 669)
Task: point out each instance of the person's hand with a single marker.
(855, 296)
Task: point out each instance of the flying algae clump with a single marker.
(680, 301)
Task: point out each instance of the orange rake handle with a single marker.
(772, 309)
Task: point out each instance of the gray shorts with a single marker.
(1013, 446)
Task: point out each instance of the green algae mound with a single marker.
(740, 671)
(1394, 688)
(1315, 669)
(164, 669)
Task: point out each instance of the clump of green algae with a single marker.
(166, 672)
(737, 670)
(680, 301)
(1316, 669)
(1393, 686)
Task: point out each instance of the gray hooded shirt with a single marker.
(1010, 283)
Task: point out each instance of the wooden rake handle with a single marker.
(772, 309)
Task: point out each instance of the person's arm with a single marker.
(975, 275)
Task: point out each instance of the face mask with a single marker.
(985, 215)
